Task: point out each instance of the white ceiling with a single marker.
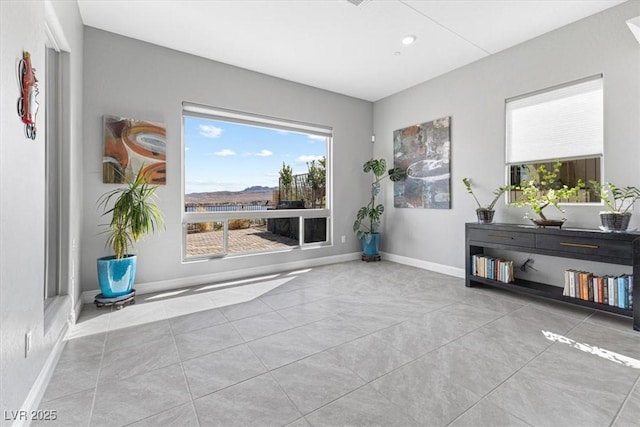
(335, 45)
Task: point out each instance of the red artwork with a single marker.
(27, 104)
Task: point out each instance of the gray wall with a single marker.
(22, 218)
(135, 79)
(474, 97)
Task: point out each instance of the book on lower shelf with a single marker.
(492, 268)
(616, 291)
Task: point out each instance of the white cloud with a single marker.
(225, 152)
(308, 158)
(209, 131)
(186, 148)
(261, 153)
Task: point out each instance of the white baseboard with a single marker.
(426, 265)
(185, 282)
(77, 308)
(32, 402)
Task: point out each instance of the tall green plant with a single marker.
(286, 179)
(317, 178)
(368, 217)
(135, 213)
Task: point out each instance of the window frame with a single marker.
(597, 154)
(53, 143)
(251, 119)
(55, 303)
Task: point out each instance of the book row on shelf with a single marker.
(492, 268)
(616, 291)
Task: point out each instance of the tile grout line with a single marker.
(104, 346)
(328, 349)
(625, 331)
(269, 371)
(519, 369)
(506, 379)
(167, 319)
(184, 374)
(366, 383)
(635, 385)
(108, 331)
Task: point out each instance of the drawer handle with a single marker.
(500, 236)
(579, 245)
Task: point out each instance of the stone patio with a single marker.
(253, 239)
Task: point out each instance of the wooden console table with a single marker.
(591, 245)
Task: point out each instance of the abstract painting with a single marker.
(130, 145)
(424, 151)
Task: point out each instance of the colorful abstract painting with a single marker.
(131, 144)
(424, 151)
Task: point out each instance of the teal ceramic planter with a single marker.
(371, 244)
(116, 276)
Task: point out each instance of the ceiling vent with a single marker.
(358, 2)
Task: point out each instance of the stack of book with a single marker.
(611, 290)
(492, 268)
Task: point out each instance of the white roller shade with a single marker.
(197, 110)
(562, 122)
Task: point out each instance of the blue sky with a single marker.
(228, 156)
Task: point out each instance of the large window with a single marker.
(563, 123)
(253, 184)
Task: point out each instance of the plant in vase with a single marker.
(619, 201)
(544, 189)
(485, 213)
(367, 223)
(134, 214)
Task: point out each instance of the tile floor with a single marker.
(371, 344)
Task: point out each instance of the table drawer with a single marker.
(511, 238)
(586, 246)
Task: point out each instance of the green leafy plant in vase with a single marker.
(485, 213)
(134, 213)
(544, 189)
(619, 202)
(367, 223)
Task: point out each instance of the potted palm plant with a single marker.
(134, 213)
(485, 213)
(544, 189)
(367, 223)
(619, 201)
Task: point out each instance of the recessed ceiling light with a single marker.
(408, 39)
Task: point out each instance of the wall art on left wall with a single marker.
(131, 144)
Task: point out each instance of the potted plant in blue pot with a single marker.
(367, 223)
(134, 213)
